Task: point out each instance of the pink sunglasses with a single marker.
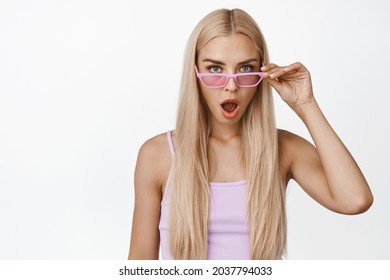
(219, 80)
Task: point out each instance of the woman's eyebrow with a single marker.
(222, 63)
(249, 60)
(213, 61)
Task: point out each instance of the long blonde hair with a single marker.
(190, 194)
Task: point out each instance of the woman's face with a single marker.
(229, 55)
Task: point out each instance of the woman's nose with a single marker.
(231, 84)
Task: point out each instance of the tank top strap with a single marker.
(170, 143)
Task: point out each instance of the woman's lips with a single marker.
(230, 108)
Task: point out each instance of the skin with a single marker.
(326, 171)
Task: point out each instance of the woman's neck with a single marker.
(225, 132)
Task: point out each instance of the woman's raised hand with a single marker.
(293, 83)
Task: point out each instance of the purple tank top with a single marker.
(228, 236)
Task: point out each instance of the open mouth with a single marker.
(230, 108)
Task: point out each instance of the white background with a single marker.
(84, 83)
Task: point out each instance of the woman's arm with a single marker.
(145, 238)
(327, 171)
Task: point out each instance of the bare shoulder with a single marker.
(156, 146)
(287, 138)
(152, 167)
(154, 159)
(290, 146)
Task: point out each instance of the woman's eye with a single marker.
(246, 68)
(214, 69)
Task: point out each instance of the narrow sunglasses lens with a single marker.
(248, 80)
(214, 81)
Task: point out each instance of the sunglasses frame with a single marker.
(228, 76)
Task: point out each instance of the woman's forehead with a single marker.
(236, 47)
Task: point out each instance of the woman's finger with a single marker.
(268, 67)
(275, 73)
(276, 84)
(294, 67)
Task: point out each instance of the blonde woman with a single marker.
(214, 188)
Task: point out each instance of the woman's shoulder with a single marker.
(285, 134)
(156, 147)
(155, 142)
(155, 157)
(289, 142)
(290, 147)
